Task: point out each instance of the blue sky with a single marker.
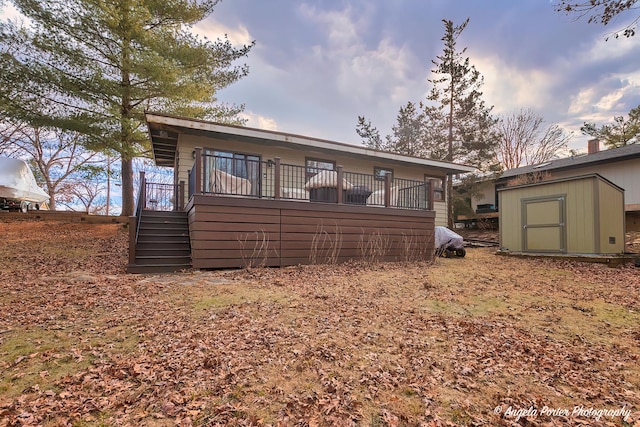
(317, 65)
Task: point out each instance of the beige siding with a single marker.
(611, 219)
(486, 195)
(625, 175)
(593, 213)
(188, 143)
(580, 219)
(441, 213)
(510, 215)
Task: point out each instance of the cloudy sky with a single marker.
(318, 64)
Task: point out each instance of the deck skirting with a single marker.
(236, 232)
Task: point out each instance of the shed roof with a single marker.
(626, 152)
(164, 131)
(570, 178)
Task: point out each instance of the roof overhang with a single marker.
(164, 131)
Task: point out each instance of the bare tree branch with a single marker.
(523, 140)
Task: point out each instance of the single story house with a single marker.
(619, 165)
(285, 199)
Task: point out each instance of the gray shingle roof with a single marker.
(605, 156)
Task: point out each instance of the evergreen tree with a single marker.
(622, 132)
(99, 64)
(370, 134)
(456, 111)
(454, 124)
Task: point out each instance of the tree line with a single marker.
(454, 124)
(85, 71)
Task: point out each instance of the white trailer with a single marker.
(18, 187)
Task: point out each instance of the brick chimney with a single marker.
(594, 146)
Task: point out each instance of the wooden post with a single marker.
(180, 205)
(339, 184)
(430, 194)
(198, 177)
(387, 190)
(276, 178)
(133, 231)
(143, 191)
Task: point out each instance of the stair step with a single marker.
(163, 213)
(163, 238)
(147, 231)
(179, 246)
(162, 252)
(161, 260)
(159, 224)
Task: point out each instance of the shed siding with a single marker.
(510, 228)
(593, 214)
(611, 219)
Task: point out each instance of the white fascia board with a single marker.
(303, 141)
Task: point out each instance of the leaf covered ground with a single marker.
(463, 341)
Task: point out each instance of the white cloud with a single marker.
(508, 87)
(606, 97)
(604, 51)
(258, 121)
(214, 30)
(362, 74)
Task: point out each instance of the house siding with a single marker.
(187, 144)
(625, 174)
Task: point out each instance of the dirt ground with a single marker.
(480, 340)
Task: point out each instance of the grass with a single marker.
(35, 359)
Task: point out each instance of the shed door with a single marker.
(544, 224)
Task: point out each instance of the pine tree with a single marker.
(408, 134)
(97, 65)
(456, 113)
(622, 132)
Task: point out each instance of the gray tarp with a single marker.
(446, 238)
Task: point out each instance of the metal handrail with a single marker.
(272, 179)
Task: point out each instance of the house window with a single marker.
(438, 187)
(313, 166)
(379, 173)
(239, 165)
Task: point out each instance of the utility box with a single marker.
(582, 215)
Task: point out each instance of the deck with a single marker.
(282, 219)
(228, 232)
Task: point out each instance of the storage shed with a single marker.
(582, 215)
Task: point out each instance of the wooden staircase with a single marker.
(162, 243)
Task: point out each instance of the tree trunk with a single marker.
(128, 202)
(125, 118)
(449, 196)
